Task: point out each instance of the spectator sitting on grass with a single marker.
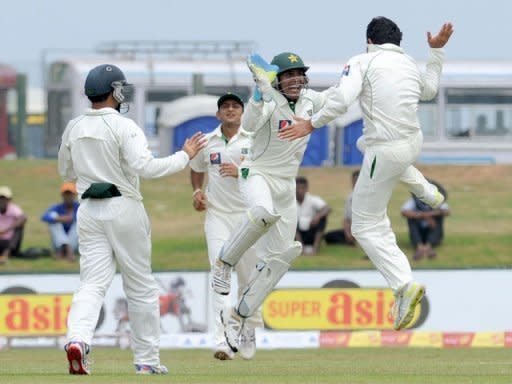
(425, 224)
(61, 219)
(312, 212)
(12, 221)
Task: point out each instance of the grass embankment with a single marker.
(477, 234)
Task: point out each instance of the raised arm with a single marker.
(338, 100)
(432, 75)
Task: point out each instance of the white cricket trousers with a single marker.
(218, 228)
(383, 167)
(276, 195)
(60, 237)
(116, 230)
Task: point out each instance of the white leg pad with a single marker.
(258, 221)
(264, 278)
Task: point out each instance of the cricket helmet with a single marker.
(106, 78)
(287, 61)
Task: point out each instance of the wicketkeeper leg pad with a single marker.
(264, 278)
(257, 222)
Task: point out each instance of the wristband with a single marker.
(195, 192)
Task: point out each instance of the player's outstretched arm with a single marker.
(440, 40)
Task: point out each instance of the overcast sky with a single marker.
(315, 29)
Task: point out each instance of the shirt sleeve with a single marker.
(409, 205)
(347, 210)
(50, 215)
(65, 162)
(256, 115)
(197, 164)
(432, 76)
(318, 203)
(15, 211)
(340, 97)
(135, 150)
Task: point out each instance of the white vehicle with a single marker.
(470, 121)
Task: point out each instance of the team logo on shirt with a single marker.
(215, 158)
(346, 70)
(284, 124)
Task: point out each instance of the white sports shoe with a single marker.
(233, 326)
(223, 352)
(221, 277)
(439, 200)
(406, 299)
(144, 369)
(247, 347)
(434, 201)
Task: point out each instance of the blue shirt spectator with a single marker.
(61, 219)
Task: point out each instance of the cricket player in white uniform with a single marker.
(105, 153)
(389, 86)
(267, 183)
(227, 146)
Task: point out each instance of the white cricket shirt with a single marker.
(310, 206)
(222, 191)
(104, 146)
(389, 86)
(270, 155)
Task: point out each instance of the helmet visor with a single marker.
(123, 91)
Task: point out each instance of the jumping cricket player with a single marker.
(105, 153)
(389, 86)
(267, 183)
(226, 147)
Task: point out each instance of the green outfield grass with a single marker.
(355, 365)
(477, 233)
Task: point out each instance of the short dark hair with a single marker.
(99, 98)
(301, 180)
(355, 173)
(382, 30)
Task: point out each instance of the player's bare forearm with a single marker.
(198, 196)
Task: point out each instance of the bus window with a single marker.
(164, 95)
(427, 114)
(479, 113)
(59, 114)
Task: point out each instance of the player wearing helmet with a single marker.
(105, 154)
(267, 183)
